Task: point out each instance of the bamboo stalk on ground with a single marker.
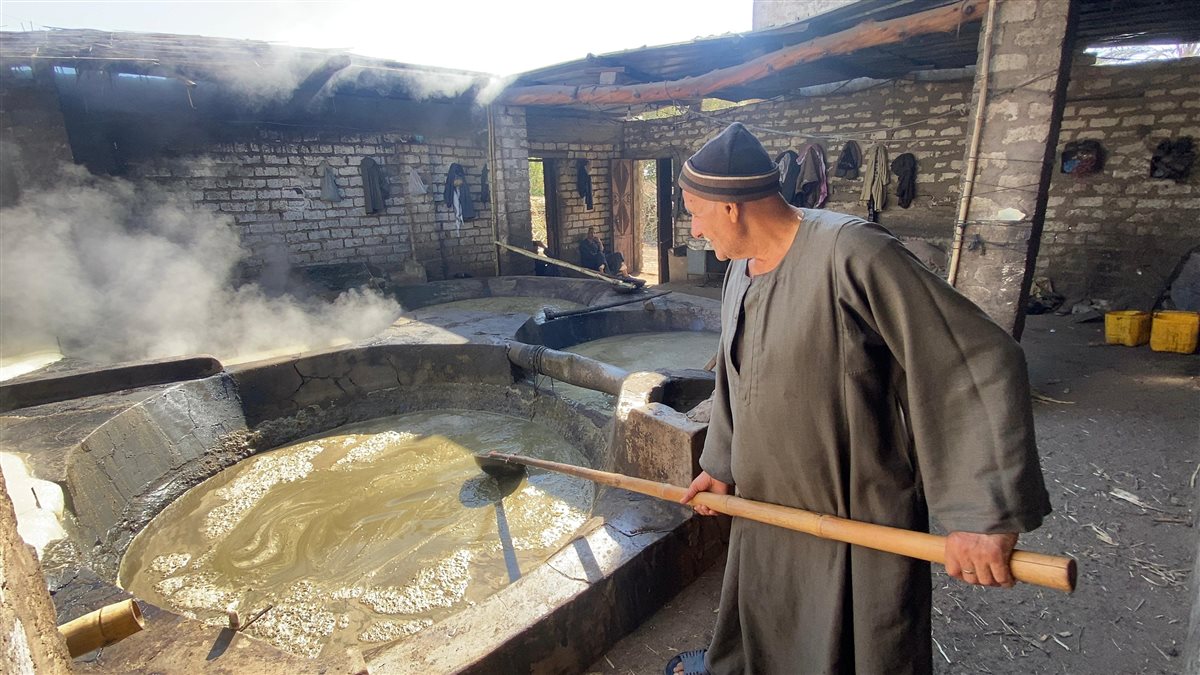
(109, 624)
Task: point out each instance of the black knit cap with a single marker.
(733, 167)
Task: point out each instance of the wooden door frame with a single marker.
(553, 223)
(666, 224)
(633, 238)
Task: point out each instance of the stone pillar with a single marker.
(29, 639)
(1029, 70)
(511, 168)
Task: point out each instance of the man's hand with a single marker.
(979, 558)
(704, 483)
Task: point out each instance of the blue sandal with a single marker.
(693, 663)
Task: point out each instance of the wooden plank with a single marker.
(869, 34)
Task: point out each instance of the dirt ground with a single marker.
(1120, 460)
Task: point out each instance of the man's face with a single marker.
(714, 221)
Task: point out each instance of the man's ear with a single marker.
(733, 211)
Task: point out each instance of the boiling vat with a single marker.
(368, 533)
(641, 351)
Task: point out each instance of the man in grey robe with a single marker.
(851, 381)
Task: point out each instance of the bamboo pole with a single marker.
(623, 285)
(862, 36)
(1032, 568)
(964, 201)
(109, 624)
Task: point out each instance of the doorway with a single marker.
(543, 204)
(651, 237)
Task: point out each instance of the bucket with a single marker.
(1127, 327)
(1175, 331)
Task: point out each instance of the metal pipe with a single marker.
(570, 368)
(551, 314)
(964, 202)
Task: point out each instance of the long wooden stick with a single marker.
(582, 270)
(1032, 568)
(862, 36)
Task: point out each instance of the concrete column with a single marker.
(511, 168)
(1028, 73)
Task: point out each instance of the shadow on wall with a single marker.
(108, 270)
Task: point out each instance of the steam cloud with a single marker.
(114, 271)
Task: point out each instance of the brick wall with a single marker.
(929, 122)
(1117, 235)
(270, 186)
(33, 139)
(574, 216)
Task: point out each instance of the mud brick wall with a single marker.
(1119, 234)
(573, 214)
(33, 139)
(270, 187)
(927, 116)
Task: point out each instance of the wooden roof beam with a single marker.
(865, 35)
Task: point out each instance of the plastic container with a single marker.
(1175, 331)
(1127, 327)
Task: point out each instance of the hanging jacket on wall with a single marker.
(329, 186)
(849, 161)
(905, 168)
(374, 186)
(583, 182)
(485, 188)
(1173, 159)
(875, 178)
(458, 197)
(789, 171)
(812, 185)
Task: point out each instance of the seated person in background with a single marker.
(614, 264)
(591, 251)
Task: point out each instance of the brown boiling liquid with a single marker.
(367, 534)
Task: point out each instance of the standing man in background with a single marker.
(850, 381)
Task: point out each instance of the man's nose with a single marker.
(696, 233)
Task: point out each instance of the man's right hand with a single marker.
(704, 483)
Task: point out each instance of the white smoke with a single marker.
(113, 271)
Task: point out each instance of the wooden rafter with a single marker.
(862, 36)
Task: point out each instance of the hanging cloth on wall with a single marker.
(905, 168)
(485, 187)
(374, 186)
(457, 195)
(1173, 159)
(849, 161)
(789, 171)
(583, 182)
(329, 186)
(876, 178)
(416, 186)
(1083, 157)
(812, 185)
